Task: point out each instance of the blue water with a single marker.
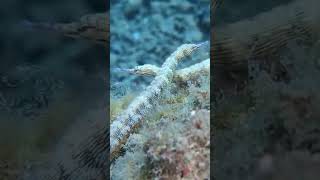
(146, 32)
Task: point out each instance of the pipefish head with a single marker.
(203, 44)
(195, 47)
(187, 49)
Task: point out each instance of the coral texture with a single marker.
(186, 156)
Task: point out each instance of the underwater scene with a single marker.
(68, 111)
(266, 120)
(159, 89)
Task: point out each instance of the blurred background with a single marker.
(266, 124)
(49, 83)
(232, 10)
